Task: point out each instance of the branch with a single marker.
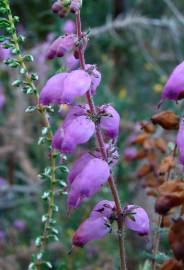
(130, 21)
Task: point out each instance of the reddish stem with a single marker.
(101, 143)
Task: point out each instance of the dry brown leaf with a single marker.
(144, 170)
(176, 239)
(166, 119)
(166, 164)
(171, 264)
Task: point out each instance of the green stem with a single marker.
(41, 109)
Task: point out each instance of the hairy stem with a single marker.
(27, 77)
(101, 143)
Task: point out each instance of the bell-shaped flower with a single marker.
(136, 219)
(95, 174)
(103, 208)
(65, 87)
(69, 27)
(180, 141)
(52, 92)
(75, 5)
(70, 62)
(78, 131)
(78, 166)
(61, 46)
(4, 53)
(91, 229)
(109, 121)
(95, 77)
(130, 153)
(77, 83)
(174, 88)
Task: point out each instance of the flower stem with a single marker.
(101, 143)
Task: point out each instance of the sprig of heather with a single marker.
(11, 40)
(92, 169)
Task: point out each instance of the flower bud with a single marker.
(166, 119)
(94, 174)
(130, 153)
(61, 46)
(110, 122)
(56, 7)
(91, 229)
(75, 5)
(137, 219)
(174, 88)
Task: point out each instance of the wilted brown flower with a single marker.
(176, 239)
(166, 119)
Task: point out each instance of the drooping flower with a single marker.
(4, 53)
(96, 226)
(77, 83)
(19, 224)
(130, 153)
(110, 122)
(52, 92)
(180, 141)
(69, 27)
(174, 88)
(61, 46)
(65, 87)
(103, 208)
(94, 174)
(76, 129)
(95, 77)
(75, 5)
(91, 229)
(78, 166)
(137, 219)
(70, 62)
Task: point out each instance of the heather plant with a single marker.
(94, 168)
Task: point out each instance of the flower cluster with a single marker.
(92, 170)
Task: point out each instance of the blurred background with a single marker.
(135, 44)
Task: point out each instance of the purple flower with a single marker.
(95, 77)
(180, 141)
(64, 87)
(4, 53)
(52, 92)
(174, 88)
(137, 219)
(78, 166)
(103, 208)
(77, 83)
(75, 5)
(76, 129)
(69, 27)
(130, 153)
(3, 182)
(56, 7)
(2, 235)
(70, 62)
(97, 225)
(61, 46)
(19, 224)
(110, 121)
(91, 229)
(94, 174)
